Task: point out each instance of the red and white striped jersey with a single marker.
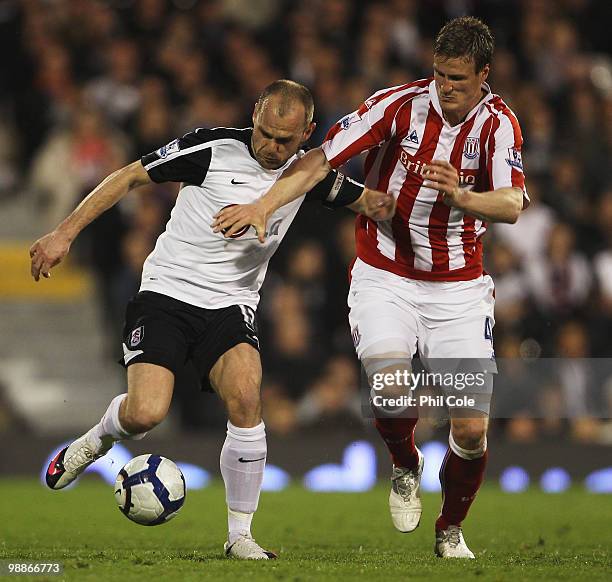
(402, 129)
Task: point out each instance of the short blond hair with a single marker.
(289, 92)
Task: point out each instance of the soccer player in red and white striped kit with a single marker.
(449, 150)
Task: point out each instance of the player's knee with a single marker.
(142, 419)
(244, 405)
(469, 435)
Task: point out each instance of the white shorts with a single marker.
(389, 313)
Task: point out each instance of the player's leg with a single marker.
(154, 344)
(461, 344)
(236, 377)
(384, 330)
(464, 466)
(128, 416)
(146, 404)
(396, 425)
(461, 476)
(227, 357)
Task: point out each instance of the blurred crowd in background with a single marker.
(87, 86)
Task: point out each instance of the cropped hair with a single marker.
(468, 38)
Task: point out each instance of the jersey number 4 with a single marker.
(488, 331)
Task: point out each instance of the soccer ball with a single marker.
(150, 490)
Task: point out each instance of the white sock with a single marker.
(238, 524)
(109, 429)
(465, 453)
(243, 459)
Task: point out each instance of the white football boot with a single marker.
(450, 544)
(246, 548)
(405, 497)
(72, 460)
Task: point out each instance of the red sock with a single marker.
(398, 434)
(460, 480)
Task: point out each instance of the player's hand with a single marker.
(231, 219)
(442, 176)
(378, 205)
(47, 252)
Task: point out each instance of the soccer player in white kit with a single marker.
(200, 290)
(449, 150)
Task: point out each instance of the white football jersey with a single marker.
(192, 263)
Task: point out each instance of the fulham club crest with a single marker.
(471, 149)
(136, 336)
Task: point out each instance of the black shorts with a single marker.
(170, 333)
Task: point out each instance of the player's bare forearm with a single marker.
(112, 189)
(301, 176)
(51, 249)
(501, 205)
(374, 204)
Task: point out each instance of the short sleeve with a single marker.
(185, 159)
(506, 163)
(370, 125)
(356, 133)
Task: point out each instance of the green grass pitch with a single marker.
(319, 536)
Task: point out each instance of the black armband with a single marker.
(336, 190)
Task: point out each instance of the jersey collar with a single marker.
(248, 141)
(433, 97)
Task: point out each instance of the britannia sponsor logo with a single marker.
(412, 164)
(467, 177)
(416, 166)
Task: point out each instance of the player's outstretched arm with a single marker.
(500, 205)
(300, 177)
(51, 249)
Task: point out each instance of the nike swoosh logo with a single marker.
(53, 468)
(241, 460)
(234, 182)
